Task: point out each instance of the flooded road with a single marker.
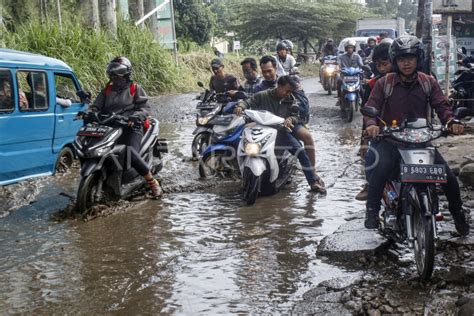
(199, 250)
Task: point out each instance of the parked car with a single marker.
(359, 40)
(39, 99)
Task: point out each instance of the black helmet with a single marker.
(281, 45)
(119, 66)
(288, 43)
(371, 39)
(380, 51)
(406, 45)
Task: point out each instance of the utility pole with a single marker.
(60, 22)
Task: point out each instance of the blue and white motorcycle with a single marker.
(350, 92)
(220, 156)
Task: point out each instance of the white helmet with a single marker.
(288, 44)
(350, 42)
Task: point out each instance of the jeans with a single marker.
(132, 138)
(386, 158)
(286, 140)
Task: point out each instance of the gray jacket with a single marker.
(346, 61)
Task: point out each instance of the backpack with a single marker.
(423, 80)
(133, 89)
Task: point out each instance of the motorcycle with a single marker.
(211, 104)
(462, 94)
(220, 156)
(350, 92)
(104, 163)
(410, 197)
(264, 168)
(329, 73)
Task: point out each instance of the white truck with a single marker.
(373, 27)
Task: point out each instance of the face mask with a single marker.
(119, 83)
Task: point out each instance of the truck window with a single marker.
(6, 96)
(66, 88)
(32, 90)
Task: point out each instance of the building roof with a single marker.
(16, 58)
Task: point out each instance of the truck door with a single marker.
(27, 131)
(67, 104)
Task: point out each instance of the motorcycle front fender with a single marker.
(202, 129)
(89, 166)
(256, 164)
(351, 96)
(213, 148)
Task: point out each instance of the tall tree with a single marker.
(303, 22)
(194, 21)
(108, 15)
(90, 13)
(135, 9)
(152, 21)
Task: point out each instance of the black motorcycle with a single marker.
(410, 197)
(462, 94)
(105, 171)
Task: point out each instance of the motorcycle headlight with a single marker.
(351, 89)
(203, 120)
(252, 149)
(419, 135)
(330, 70)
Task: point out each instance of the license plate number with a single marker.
(93, 131)
(423, 173)
(351, 78)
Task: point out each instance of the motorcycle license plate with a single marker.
(423, 173)
(351, 78)
(93, 131)
(222, 120)
(330, 61)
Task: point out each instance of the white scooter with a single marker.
(265, 169)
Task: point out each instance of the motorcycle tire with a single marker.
(251, 184)
(200, 142)
(350, 111)
(87, 192)
(65, 160)
(424, 245)
(329, 87)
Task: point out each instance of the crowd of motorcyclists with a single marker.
(278, 90)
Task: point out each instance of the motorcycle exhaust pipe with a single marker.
(435, 231)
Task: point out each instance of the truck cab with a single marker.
(38, 105)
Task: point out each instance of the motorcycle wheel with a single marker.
(424, 246)
(200, 142)
(350, 111)
(329, 87)
(216, 163)
(251, 185)
(65, 160)
(87, 192)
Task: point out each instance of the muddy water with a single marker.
(198, 251)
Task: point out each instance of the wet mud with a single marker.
(200, 250)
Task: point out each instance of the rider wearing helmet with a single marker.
(286, 60)
(349, 59)
(121, 95)
(366, 51)
(329, 48)
(408, 99)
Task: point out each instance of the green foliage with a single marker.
(303, 22)
(194, 21)
(406, 9)
(88, 53)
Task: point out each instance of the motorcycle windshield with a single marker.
(264, 117)
(351, 71)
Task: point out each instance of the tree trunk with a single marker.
(420, 18)
(122, 9)
(152, 21)
(108, 16)
(90, 13)
(136, 9)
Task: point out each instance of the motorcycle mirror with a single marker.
(297, 64)
(369, 111)
(84, 96)
(366, 68)
(461, 112)
(200, 84)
